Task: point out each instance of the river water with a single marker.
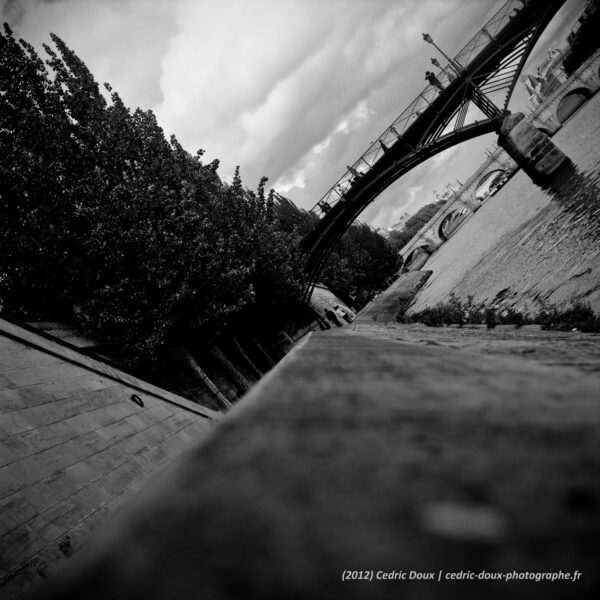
(527, 247)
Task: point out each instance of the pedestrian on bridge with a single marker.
(433, 80)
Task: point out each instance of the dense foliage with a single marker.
(104, 220)
(584, 40)
(577, 317)
(398, 239)
(101, 215)
(359, 264)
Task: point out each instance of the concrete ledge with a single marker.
(361, 452)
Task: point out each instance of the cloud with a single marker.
(443, 157)
(12, 11)
(336, 143)
(269, 80)
(412, 203)
(291, 89)
(121, 41)
(396, 46)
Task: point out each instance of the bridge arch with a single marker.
(318, 243)
(571, 102)
(417, 258)
(451, 221)
(486, 185)
(434, 121)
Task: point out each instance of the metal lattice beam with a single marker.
(490, 63)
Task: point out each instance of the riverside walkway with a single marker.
(456, 463)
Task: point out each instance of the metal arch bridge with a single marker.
(459, 106)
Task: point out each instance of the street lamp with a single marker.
(454, 64)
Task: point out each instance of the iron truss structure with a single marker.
(469, 98)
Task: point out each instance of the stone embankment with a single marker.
(526, 246)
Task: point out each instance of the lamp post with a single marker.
(452, 62)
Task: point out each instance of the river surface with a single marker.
(527, 247)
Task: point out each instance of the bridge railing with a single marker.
(482, 38)
(377, 148)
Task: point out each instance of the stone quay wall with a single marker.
(77, 439)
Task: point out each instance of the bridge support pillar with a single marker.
(531, 149)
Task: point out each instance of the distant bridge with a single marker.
(549, 116)
(443, 115)
(463, 203)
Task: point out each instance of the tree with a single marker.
(104, 219)
(583, 41)
(360, 262)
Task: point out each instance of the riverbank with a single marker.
(528, 247)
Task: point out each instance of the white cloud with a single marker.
(445, 156)
(269, 79)
(121, 41)
(291, 89)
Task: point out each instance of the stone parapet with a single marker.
(367, 466)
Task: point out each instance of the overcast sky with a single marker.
(291, 89)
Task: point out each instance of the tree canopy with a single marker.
(105, 220)
(583, 40)
(358, 265)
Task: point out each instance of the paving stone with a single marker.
(140, 420)
(21, 542)
(5, 383)
(68, 443)
(116, 431)
(101, 371)
(14, 423)
(73, 386)
(10, 400)
(38, 439)
(16, 584)
(22, 357)
(14, 511)
(48, 374)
